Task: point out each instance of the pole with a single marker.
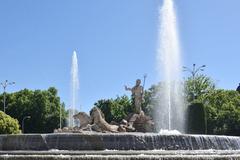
(4, 100)
(144, 80)
(60, 125)
(4, 85)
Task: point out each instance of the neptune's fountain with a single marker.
(165, 145)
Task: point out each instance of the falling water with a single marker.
(74, 89)
(170, 112)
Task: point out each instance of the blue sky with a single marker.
(116, 42)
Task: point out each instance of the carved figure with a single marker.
(99, 121)
(137, 93)
(83, 118)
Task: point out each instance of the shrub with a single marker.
(196, 119)
(8, 125)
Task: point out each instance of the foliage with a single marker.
(197, 86)
(222, 107)
(222, 112)
(42, 105)
(115, 109)
(8, 125)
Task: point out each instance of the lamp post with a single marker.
(60, 121)
(26, 117)
(194, 70)
(4, 85)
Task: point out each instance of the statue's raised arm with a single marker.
(127, 88)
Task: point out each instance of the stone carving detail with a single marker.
(96, 122)
(100, 123)
(141, 122)
(83, 118)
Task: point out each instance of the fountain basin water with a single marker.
(117, 141)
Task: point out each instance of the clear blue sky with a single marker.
(116, 41)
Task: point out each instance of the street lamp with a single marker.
(4, 85)
(26, 117)
(194, 70)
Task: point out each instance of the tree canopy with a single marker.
(42, 105)
(197, 86)
(222, 111)
(115, 109)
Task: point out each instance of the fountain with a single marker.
(74, 90)
(134, 145)
(170, 109)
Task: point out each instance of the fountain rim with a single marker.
(117, 141)
(118, 134)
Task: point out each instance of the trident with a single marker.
(144, 80)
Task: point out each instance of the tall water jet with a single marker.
(170, 111)
(74, 90)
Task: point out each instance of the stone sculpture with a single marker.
(100, 122)
(137, 94)
(134, 122)
(96, 122)
(140, 122)
(83, 118)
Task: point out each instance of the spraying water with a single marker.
(170, 110)
(74, 90)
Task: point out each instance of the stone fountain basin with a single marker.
(121, 155)
(116, 141)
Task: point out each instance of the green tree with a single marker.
(8, 125)
(42, 105)
(197, 86)
(222, 111)
(115, 109)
